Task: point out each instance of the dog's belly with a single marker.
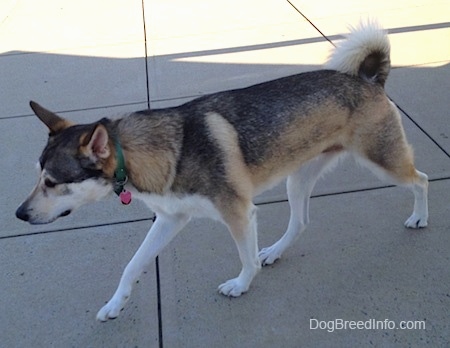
(170, 204)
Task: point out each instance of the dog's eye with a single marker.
(48, 183)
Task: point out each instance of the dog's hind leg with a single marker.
(299, 187)
(243, 227)
(164, 229)
(407, 176)
(419, 217)
(387, 154)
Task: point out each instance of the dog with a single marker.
(209, 157)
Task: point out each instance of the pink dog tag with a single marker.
(125, 197)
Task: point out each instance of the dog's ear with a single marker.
(95, 144)
(54, 122)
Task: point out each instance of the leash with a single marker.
(120, 176)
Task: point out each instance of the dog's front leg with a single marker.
(244, 232)
(160, 234)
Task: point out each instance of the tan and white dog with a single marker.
(211, 156)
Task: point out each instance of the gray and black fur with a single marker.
(212, 155)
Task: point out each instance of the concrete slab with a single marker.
(414, 48)
(53, 284)
(42, 26)
(391, 13)
(355, 262)
(168, 20)
(226, 49)
(418, 27)
(94, 77)
(422, 91)
(401, 13)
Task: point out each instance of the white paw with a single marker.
(111, 310)
(416, 221)
(233, 287)
(269, 255)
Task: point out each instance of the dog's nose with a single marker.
(22, 213)
(65, 213)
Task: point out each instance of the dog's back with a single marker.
(283, 123)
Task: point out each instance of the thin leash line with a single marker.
(421, 129)
(306, 18)
(147, 78)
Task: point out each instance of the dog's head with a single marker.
(75, 167)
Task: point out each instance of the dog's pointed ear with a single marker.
(95, 144)
(54, 122)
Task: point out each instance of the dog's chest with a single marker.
(191, 205)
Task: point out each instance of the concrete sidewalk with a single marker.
(89, 59)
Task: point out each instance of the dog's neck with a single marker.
(150, 165)
(120, 174)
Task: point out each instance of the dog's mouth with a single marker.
(23, 213)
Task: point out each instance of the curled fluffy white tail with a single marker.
(365, 53)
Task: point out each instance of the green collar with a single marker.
(120, 175)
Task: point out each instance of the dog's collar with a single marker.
(120, 174)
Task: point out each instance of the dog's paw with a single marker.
(269, 255)
(109, 311)
(233, 288)
(416, 221)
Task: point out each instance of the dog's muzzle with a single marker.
(23, 213)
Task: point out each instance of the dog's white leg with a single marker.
(417, 182)
(299, 187)
(245, 236)
(160, 234)
(419, 217)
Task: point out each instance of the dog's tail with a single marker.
(365, 53)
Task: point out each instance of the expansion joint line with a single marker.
(158, 283)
